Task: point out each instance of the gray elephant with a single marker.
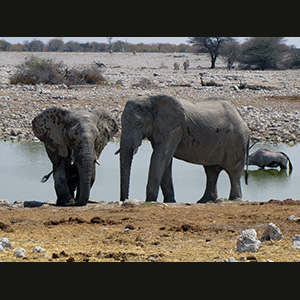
(210, 132)
(74, 141)
(265, 158)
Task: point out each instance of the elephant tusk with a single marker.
(135, 150)
(72, 158)
(97, 162)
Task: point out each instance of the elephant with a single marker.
(74, 140)
(210, 132)
(265, 158)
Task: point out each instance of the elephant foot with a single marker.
(207, 199)
(236, 199)
(63, 202)
(170, 200)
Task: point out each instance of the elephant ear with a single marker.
(106, 126)
(168, 114)
(105, 123)
(49, 127)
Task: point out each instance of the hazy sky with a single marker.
(134, 40)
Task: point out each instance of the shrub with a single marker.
(36, 71)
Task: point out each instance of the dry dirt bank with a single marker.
(149, 232)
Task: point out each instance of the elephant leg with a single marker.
(211, 193)
(61, 185)
(235, 182)
(160, 162)
(167, 184)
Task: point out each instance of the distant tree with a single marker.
(118, 46)
(55, 45)
(209, 45)
(72, 46)
(4, 45)
(98, 47)
(17, 47)
(263, 52)
(34, 46)
(230, 52)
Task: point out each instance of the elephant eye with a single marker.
(138, 124)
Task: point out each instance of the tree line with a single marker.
(58, 45)
(259, 53)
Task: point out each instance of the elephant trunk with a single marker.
(126, 155)
(85, 166)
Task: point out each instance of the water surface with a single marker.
(23, 164)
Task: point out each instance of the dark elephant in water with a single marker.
(265, 158)
(74, 141)
(210, 132)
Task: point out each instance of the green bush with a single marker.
(35, 71)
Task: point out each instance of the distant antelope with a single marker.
(176, 66)
(186, 65)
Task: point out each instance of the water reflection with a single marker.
(23, 164)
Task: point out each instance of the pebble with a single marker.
(5, 243)
(38, 249)
(20, 253)
(296, 242)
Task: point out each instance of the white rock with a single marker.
(1, 248)
(272, 232)
(230, 259)
(247, 241)
(38, 249)
(4, 202)
(296, 241)
(131, 203)
(5, 243)
(20, 253)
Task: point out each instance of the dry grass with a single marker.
(179, 232)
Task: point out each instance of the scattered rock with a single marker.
(151, 258)
(272, 232)
(20, 253)
(247, 241)
(292, 218)
(131, 203)
(5, 203)
(130, 226)
(5, 243)
(296, 242)
(71, 259)
(38, 249)
(230, 259)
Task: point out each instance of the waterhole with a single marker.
(24, 163)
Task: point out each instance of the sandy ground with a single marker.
(107, 232)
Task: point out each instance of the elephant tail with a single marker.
(290, 163)
(46, 177)
(247, 160)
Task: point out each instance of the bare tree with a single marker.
(230, 53)
(209, 45)
(109, 40)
